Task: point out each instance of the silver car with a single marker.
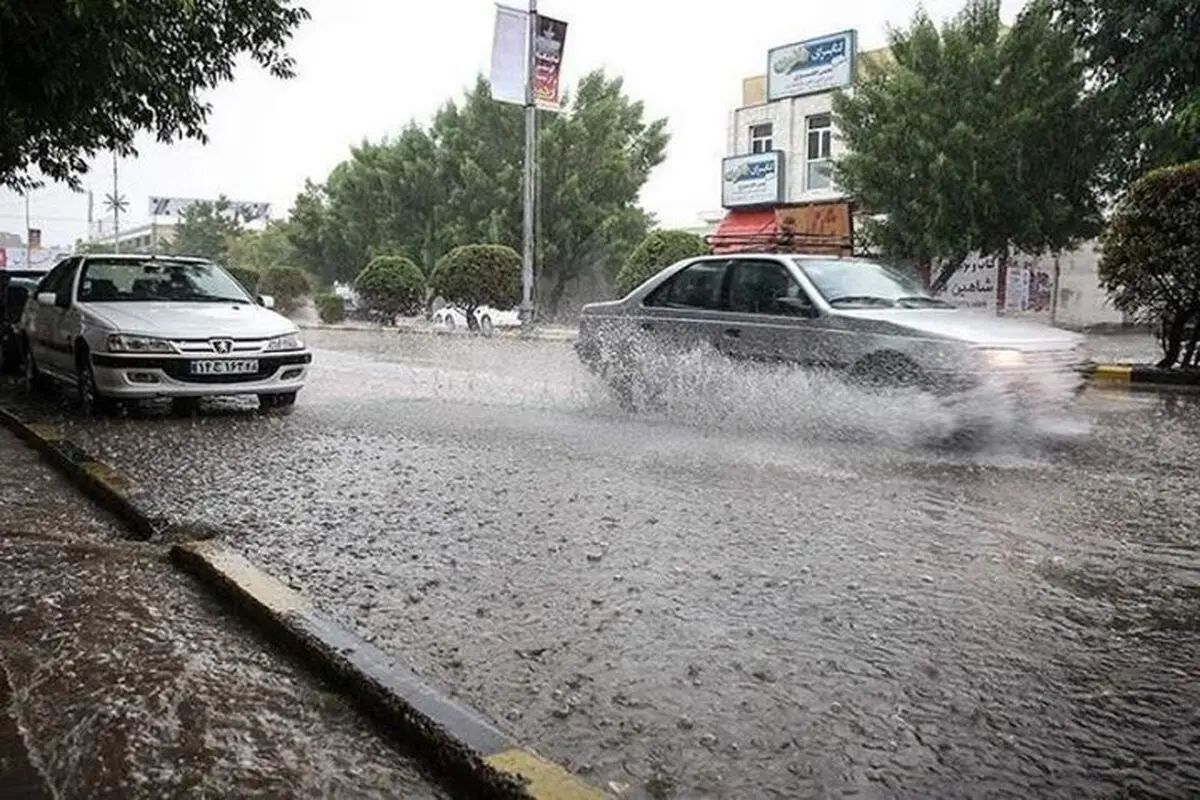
(870, 321)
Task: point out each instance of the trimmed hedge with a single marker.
(660, 248)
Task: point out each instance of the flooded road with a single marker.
(766, 589)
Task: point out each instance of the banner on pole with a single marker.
(245, 210)
(509, 62)
(547, 57)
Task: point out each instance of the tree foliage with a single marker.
(207, 230)
(477, 275)
(1144, 62)
(659, 249)
(972, 139)
(390, 286)
(248, 278)
(262, 250)
(287, 285)
(1150, 262)
(458, 182)
(77, 77)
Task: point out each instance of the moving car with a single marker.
(16, 287)
(449, 318)
(131, 327)
(865, 319)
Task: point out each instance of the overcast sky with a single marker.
(366, 67)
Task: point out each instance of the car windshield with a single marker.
(157, 280)
(866, 284)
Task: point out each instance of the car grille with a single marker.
(205, 346)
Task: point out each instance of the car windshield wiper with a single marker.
(918, 301)
(862, 299)
(208, 298)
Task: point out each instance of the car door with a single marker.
(771, 317)
(685, 312)
(45, 328)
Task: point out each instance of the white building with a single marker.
(141, 238)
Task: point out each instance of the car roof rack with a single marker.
(780, 242)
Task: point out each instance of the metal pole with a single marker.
(116, 198)
(28, 227)
(528, 178)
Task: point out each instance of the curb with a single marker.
(457, 742)
(106, 486)
(1146, 375)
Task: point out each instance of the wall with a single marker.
(789, 134)
(1080, 300)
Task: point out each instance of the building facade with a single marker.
(139, 239)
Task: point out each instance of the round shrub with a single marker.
(659, 249)
(391, 286)
(330, 307)
(477, 275)
(287, 285)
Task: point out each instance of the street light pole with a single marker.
(116, 209)
(528, 181)
(28, 228)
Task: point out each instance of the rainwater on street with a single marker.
(768, 587)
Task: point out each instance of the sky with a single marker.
(365, 68)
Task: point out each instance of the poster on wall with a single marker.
(973, 285)
(812, 67)
(752, 180)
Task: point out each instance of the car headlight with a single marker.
(998, 358)
(291, 341)
(124, 343)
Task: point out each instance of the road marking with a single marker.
(546, 780)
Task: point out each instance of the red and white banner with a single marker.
(511, 59)
(547, 63)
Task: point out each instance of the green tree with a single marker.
(1150, 262)
(287, 285)
(261, 250)
(475, 275)
(248, 278)
(659, 249)
(207, 230)
(972, 139)
(1144, 60)
(390, 286)
(459, 182)
(79, 77)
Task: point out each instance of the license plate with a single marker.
(239, 367)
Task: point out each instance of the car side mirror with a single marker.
(266, 301)
(47, 298)
(796, 305)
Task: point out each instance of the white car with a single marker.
(131, 327)
(449, 318)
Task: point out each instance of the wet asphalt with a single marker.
(121, 679)
(770, 587)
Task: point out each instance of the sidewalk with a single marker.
(119, 678)
(1124, 348)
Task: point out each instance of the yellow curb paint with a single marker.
(546, 781)
(1113, 372)
(108, 477)
(49, 433)
(270, 592)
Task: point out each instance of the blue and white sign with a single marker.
(812, 67)
(753, 180)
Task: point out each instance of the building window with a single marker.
(819, 160)
(760, 138)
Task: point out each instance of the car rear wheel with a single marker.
(485, 325)
(34, 380)
(274, 401)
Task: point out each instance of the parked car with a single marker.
(865, 319)
(450, 318)
(16, 287)
(131, 327)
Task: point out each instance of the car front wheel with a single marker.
(485, 325)
(91, 400)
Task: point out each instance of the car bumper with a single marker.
(141, 377)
